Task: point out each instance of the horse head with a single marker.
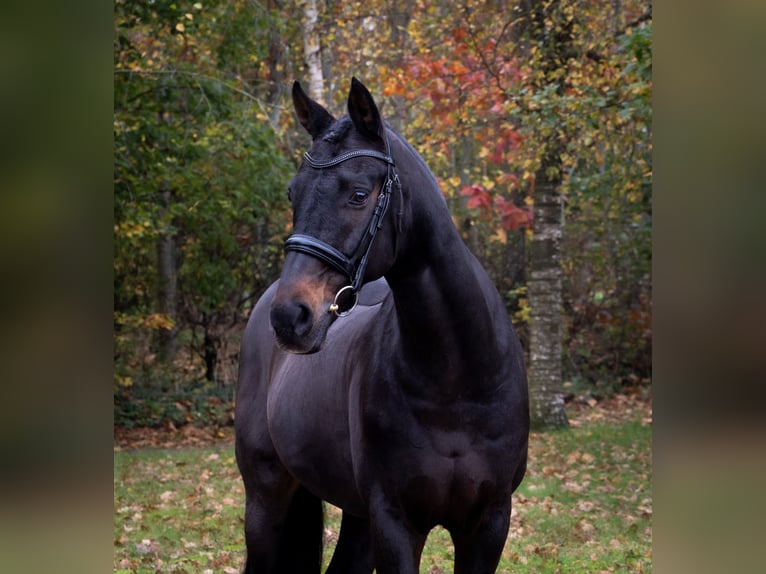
(344, 234)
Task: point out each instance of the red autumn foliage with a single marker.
(511, 216)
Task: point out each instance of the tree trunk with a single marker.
(312, 54)
(276, 63)
(210, 355)
(399, 14)
(546, 395)
(167, 280)
(464, 159)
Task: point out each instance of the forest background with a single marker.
(532, 114)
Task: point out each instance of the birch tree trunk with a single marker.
(400, 13)
(549, 28)
(276, 62)
(312, 54)
(546, 395)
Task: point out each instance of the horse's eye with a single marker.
(359, 197)
(289, 194)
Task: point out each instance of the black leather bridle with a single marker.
(352, 266)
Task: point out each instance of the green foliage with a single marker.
(607, 248)
(196, 167)
(200, 404)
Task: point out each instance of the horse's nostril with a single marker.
(292, 319)
(303, 320)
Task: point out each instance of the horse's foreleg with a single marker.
(479, 551)
(263, 524)
(283, 532)
(353, 553)
(397, 545)
(283, 521)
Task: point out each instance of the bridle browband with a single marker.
(354, 266)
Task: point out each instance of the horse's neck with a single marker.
(445, 305)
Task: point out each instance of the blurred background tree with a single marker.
(508, 102)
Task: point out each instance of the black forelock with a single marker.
(338, 131)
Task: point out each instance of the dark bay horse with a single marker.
(380, 373)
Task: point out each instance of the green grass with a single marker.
(584, 506)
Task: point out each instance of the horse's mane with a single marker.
(419, 159)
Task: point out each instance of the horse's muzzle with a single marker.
(292, 323)
(297, 328)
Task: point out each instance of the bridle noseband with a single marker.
(352, 267)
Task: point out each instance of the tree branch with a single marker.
(196, 76)
(638, 21)
(597, 57)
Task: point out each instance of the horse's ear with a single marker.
(363, 111)
(312, 115)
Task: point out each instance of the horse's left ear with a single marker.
(312, 115)
(363, 111)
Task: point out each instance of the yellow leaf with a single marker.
(180, 27)
(188, 16)
(159, 321)
(125, 381)
(500, 235)
(528, 233)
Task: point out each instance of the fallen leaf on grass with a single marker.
(585, 527)
(572, 487)
(147, 546)
(585, 506)
(573, 456)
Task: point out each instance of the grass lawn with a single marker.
(584, 506)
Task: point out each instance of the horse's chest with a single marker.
(308, 425)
